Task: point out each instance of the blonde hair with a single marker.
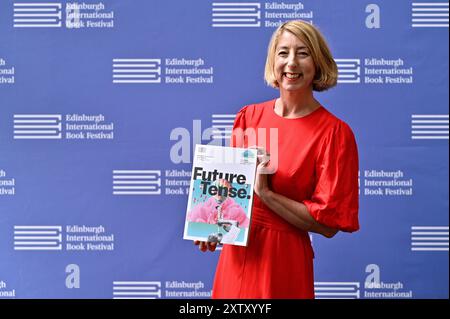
(326, 68)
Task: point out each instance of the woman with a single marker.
(315, 186)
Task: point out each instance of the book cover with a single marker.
(221, 194)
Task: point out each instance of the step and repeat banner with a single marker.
(102, 103)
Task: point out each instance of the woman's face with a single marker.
(294, 66)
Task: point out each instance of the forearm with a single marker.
(295, 213)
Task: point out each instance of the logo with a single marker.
(7, 185)
(234, 14)
(429, 126)
(7, 74)
(374, 71)
(37, 126)
(37, 15)
(151, 71)
(136, 289)
(50, 126)
(77, 238)
(37, 237)
(336, 290)
(257, 14)
(429, 238)
(429, 15)
(136, 70)
(136, 182)
(375, 288)
(349, 70)
(385, 183)
(52, 15)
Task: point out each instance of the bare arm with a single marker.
(295, 213)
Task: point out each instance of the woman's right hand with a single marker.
(205, 245)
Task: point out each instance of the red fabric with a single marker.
(318, 166)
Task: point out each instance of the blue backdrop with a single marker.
(101, 103)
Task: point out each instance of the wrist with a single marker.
(265, 194)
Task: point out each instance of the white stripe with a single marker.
(38, 237)
(233, 20)
(336, 294)
(428, 233)
(430, 25)
(38, 227)
(135, 187)
(150, 177)
(115, 76)
(38, 248)
(134, 65)
(158, 283)
(35, 9)
(429, 137)
(37, 25)
(36, 121)
(135, 288)
(137, 81)
(430, 227)
(222, 126)
(155, 71)
(429, 244)
(430, 132)
(223, 115)
(36, 132)
(429, 121)
(120, 293)
(37, 232)
(430, 126)
(343, 283)
(137, 60)
(430, 20)
(117, 171)
(429, 249)
(58, 116)
(236, 25)
(42, 4)
(236, 4)
(430, 14)
(35, 20)
(133, 182)
(430, 4)
(334, 288)
(429, 9)
(50, 243)
(429, 238)
(137, 193)
(37, 136)
(446, 116)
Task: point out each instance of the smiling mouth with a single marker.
(292, 75)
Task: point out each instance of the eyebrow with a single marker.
(285, 47)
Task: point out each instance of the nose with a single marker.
(291, 61)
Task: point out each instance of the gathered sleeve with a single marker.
(334, 202)
(239, 126)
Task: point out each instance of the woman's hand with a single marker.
(262, 170)
(205, 245)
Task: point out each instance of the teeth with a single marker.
(292, 76)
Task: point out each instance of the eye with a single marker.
(303, 53)
(282, 53)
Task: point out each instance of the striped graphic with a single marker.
(429, 15)
(336, 290)
(222, 125)
(136, 289)
(37, 15)
(349, 70)
(136, 70)
(37, 237)
(429, 126)
(235, 14)
(37, 126)
(429, 238)
(136, 182)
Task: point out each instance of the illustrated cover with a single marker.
(221, 194)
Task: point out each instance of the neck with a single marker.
(295, 103)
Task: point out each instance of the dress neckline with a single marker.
(272, 110)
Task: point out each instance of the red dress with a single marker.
(318, 166)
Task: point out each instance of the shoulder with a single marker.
(252, 109)
(335, 126)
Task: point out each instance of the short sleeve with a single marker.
(237, 137)
(334, 202)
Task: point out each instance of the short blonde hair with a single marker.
(326, 68)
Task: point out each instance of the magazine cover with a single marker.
(221, 194)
